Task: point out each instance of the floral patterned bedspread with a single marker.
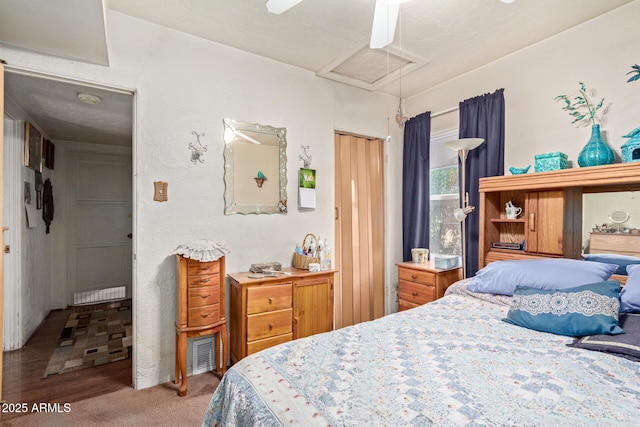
(451, 362)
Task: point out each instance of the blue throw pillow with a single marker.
(622, 261)
(584, 310)
(630, 295)
(502, 277)
(625, 345)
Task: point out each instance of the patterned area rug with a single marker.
(92, 338)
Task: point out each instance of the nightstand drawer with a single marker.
(268, 298)
(268, 324)
(201, 316)
(416, 293)
(196, 268)
(425, 277)
(199, 297)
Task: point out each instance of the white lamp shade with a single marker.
(461, 213)
(464, 143)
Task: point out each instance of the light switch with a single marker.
(160, 189)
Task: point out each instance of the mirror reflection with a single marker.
(602, 222)
(255, 168)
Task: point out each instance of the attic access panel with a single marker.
(372, 68)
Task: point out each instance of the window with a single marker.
(444, 229)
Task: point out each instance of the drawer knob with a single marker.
(205, 268)
(413, 276)
(270, 300)
(204, 315)
(205, 296)
(414, 293)
(204, 280)
(270, 326)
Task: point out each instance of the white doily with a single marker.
(202, 250)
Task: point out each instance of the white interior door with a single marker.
(99, 227)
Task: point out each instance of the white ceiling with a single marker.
(436, 40)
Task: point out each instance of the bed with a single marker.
(450, 362)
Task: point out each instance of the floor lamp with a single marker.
(463, 146)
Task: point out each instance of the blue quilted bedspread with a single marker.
(451, 362)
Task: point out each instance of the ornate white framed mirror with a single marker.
(255, 168)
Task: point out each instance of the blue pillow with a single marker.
(625, 345)
(502, 277)
(630, 295)
(584, 310)
(622, 261)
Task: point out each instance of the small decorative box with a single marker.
(551, 162)
(446, 261)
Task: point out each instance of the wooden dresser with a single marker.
(420, 283)
(616, 243)
(200, 312)
(267, 311)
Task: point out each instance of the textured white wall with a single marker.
(598, 53)
(184, 83)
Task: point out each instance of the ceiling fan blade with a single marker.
(385, 17)
(280, 6)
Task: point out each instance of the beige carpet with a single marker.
(155, 406)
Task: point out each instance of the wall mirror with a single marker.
(255, 168)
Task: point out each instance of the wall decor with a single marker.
(49, 154)
(255, 168)
(306, 157)
(197, 149)
(32, 148)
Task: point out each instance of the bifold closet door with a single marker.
(359, 227)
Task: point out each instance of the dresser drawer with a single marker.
(416, 293)
(201, 316)
(268, 298)
(256, 346)
(425, 277)
(207, 295)
(270, 324)
(196, 268)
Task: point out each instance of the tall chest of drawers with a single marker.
(266, 311)
(200, 295)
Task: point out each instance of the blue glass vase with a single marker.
(597, 151)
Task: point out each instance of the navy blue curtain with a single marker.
(415, 184)
(481, 117)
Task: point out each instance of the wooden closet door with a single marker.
(359, 227)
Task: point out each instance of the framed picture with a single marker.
(32, 148)
(49, 154)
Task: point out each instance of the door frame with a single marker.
(17, 260)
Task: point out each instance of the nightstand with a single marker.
(420, 283)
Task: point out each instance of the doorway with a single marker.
(85, 249)
(359, 228)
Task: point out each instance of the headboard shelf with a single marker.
(551, 221)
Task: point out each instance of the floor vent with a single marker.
(203, 356)
(99, 295)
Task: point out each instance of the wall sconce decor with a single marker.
(197, 149)
(306, 158)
